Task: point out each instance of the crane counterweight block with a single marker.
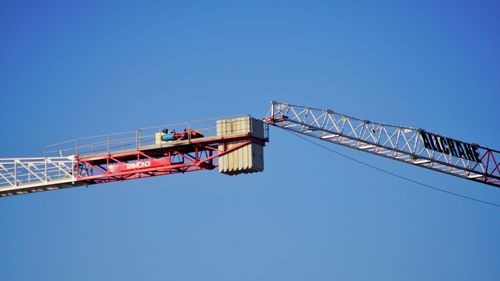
(413, 146)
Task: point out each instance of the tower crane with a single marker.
(235, 146)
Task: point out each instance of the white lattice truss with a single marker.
(18, 175)
(399, 143)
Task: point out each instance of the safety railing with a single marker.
(24, 171)
(134, 140)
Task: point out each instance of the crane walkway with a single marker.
(45, 173)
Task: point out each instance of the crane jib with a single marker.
(450, 146)
(413, 146)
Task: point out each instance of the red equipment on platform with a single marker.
(195, 155)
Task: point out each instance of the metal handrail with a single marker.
(128, 140)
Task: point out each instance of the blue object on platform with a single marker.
(167, 137)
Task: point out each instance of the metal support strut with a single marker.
(409, 145)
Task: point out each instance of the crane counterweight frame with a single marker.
(133, 155)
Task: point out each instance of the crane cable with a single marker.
(394, 174)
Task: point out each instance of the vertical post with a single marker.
(107, 143)
(417, 138)
(272, 109)
(58, 165)
(15, 172)
(46, 171)
(136, 139)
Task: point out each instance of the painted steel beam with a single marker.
(27, 175)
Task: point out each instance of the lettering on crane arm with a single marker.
(450, 146)
(139, 164)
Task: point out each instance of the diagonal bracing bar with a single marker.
(23, 175)
(413, 146)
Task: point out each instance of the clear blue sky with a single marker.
(77, 69)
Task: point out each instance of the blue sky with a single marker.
(86, 68)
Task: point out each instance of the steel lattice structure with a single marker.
(20, 175)
(140, 154)
(123, 156)
(409, 145)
